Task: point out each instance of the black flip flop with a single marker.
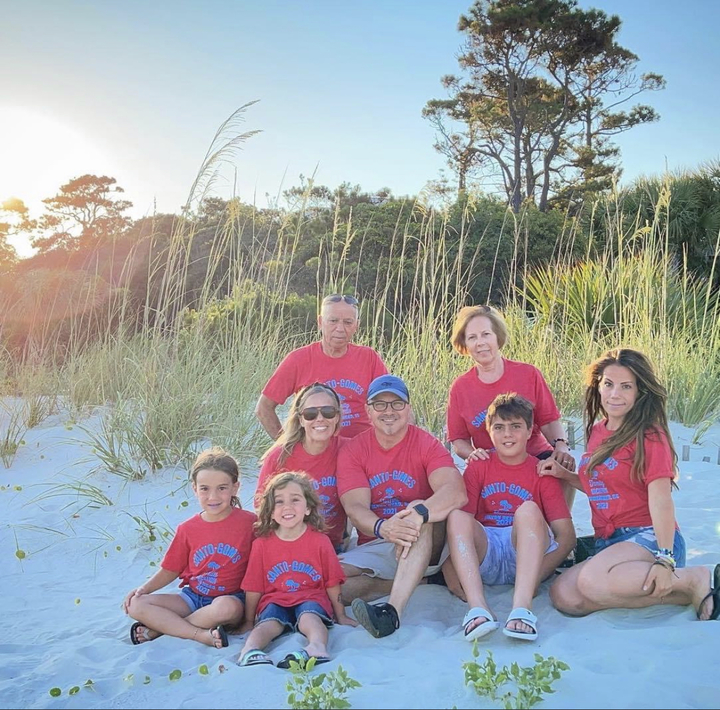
(714, 595)
(223, 635)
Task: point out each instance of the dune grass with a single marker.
(186, 378)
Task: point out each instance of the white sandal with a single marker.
(527, 617)
(487, 627)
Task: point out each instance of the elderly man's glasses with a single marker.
(337, 297)
(397, 404)
(311, 413)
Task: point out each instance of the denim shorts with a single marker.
(500, 563)
(289, 616)
(645, 537)
(197, 601)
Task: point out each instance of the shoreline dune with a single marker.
(63, 624)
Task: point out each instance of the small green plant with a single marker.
(325, 690)
(13, 431)
(532, 682)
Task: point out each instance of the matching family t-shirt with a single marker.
(310, 364)
(211, 558)
(496, 490)
(470, 398)
(615, 499)
(288, 572)
(395, 476)
(322, 469)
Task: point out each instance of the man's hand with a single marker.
(402, 529)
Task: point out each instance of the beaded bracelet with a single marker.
(376, 529)
(665, 558)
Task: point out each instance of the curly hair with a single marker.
(265, 523)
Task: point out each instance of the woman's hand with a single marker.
(562, 455)
(551, 467)
(478, 455)
(659, 581)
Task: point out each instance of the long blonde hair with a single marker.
(647, 415)
(293, 431)
(265, 522)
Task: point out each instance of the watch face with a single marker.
(423, 511)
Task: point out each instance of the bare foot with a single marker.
(520, 626)
(217, 636)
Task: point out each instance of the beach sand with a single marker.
(63, 624)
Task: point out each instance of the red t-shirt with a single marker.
(349, 375)
(288, 572)
(496, 490)
(211, 558)
(470, 398)
(395, 476)
(615, 500)
(322, 468)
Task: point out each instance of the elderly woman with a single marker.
(480, 332)
(310, 443)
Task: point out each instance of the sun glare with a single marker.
(38, 154)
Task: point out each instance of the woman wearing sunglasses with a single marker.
(310, 443)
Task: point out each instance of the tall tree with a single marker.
(14, 219)
(84, 212)
(539, 100)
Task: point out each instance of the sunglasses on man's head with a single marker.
(337, 297)
(311, 413)
(397, 404)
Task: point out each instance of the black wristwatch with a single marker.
(420, 508)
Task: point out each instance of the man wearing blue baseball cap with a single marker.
(398, 484)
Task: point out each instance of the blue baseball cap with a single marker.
(388, 383)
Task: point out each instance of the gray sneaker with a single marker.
(379, 619)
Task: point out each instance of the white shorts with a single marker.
(500, 561)
(377, 559)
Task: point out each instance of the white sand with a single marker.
(63, 623)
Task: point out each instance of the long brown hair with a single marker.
(216, 459)
(293, 431)
(265, 522)
(647, 415)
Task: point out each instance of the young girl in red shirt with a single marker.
(294, 576)
(210, 554)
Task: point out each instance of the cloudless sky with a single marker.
(136, 90)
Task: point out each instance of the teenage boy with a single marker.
(516, 527)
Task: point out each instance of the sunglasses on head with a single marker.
(311, 413)
(337, 297)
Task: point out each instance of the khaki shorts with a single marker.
(377, 559)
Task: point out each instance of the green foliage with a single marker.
(531, 682)
(325, 690)
(538, 102)
(175, 675)
(13, 417)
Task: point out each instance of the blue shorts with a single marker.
(197, 601)
(289, 616)
(645, 537)
(500, 563)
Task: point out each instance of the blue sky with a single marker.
(136, 90)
